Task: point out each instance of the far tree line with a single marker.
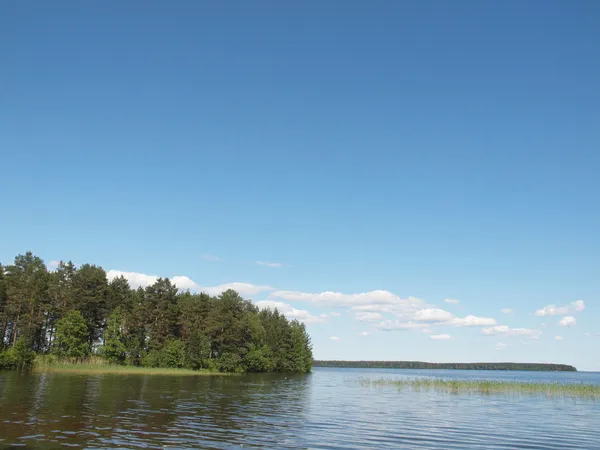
(75, 312)
(460, 366)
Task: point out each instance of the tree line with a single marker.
(75, 312)
(459, 366)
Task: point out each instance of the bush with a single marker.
(259, 359)
(172, 355)
(18, 357)
(8, 359)
(230, 362)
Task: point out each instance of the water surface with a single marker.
(327, 409)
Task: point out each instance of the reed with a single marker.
(100, 366)
(488, 386)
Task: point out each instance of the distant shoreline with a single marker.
(537, 367)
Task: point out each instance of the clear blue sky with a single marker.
(427, 149)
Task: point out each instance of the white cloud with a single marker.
(452, 301)
(567, 321)
(244, 289)
(558, 338)
(552, 310)
(334, 314)
(588, 334)
(290, 312)
(440, 337)
(426, 330)
(471, 321)
(432, 315)
(274, 265)
(506, 310)
(507, 331)
(335, 338)
(389, 325)
(212, 258)
(135, 279)
(377, 301)
(365, 333)
(365, 316)
(501, 346)
(52, 265)
(182, 282)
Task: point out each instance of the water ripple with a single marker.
(326, 410)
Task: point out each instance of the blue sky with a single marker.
(382, 157)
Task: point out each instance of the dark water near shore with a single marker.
(328, 409)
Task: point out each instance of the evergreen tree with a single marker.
(90, 293)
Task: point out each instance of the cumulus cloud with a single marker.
(379, 301)
(558, 338)
(335, 338)
(567, 321)
(365, 316)
(365, 333)
(244, 289)
(452, 301)
(507, 331)
(135, 279)
(506, 310)
(500, 346)
(212, 258)
(426, 330)
(291, 312)
(182, 282)
(471, 321)
(334, 314)
(432, 315)
(440, 337)
(52, 265)
(552, 310)
(389, 325)
(274, 265)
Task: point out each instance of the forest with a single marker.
(460, 366)
(76, 312)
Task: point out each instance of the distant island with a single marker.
(452, 366)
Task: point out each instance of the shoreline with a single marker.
(420, 365)
(113, 369)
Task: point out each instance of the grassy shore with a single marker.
(489, 387)
(99, 366)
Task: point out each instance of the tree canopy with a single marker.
(75, 312)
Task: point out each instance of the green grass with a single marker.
(100, 366)
(489, 387)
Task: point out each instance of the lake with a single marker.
(328, 409)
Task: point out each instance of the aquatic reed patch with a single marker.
(99, 366)
(584, 390)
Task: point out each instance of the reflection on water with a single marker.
(327, 409)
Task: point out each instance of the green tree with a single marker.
(72, 336)
(197, 350)
(114, 350)
(25, 299)
(162, 312)
(60, 297)
(90, 293)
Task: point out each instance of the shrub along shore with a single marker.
(489, 386)
(73, 313)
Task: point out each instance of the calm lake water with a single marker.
(327, 409)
